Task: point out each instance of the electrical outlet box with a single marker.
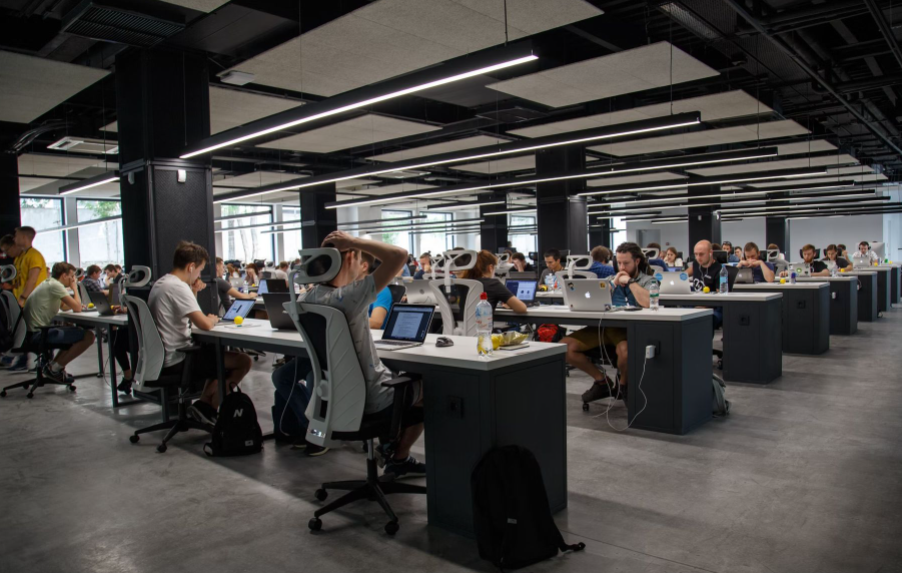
(454, 407)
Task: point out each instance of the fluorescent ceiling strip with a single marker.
(363, 103)
(255, 225)
(696, 183)
(796, 207)
(89, 183)
(683, 204)
(79, 225)
(685, 220)
(870, 210)
(851, 209)
(368, 221)
(511, 212)
(466, 205)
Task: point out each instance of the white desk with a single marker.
(806, 314)
(470, 404)
(92, 319)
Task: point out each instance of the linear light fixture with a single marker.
(670, 221)
(388, 225)
(818, 214)
(466, 205)
(485, 152)
(411, 217)
(691, 160)
(797, 206)
(827, 208)
(348, 102)
(511, 212)
(255, 225)
(89, 183)
(79, 225)
(684, 201)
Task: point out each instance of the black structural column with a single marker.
(561, 215)
(599, 233)
(776, 230)
(493, 228)
(317, 221)
(10, 215)
(703, 223)
(162, 106)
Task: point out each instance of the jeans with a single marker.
(718, 316)
(292, 375)
(61, 335)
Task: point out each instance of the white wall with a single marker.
(822, 231)
(672, 234)
(741, 232)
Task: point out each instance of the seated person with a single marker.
(657, 262)
(378, 311)
(737, 255)
(864, 255)
(763, 272)
(281, 272)
(45, 302)
(113, 274)
(93, 282)
(816, 268)
(630, 286)
(843, 252)
(671, 259)
(552, 265)
(601, 262)
(774, 247)
(173, 304)
(250, 275)
(496, 292)
(707, 271)
(425, 266)
(228, 293)
(732, 257)
(834, 261)
(520, 264)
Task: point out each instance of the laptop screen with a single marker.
(239, 308)
(263, 288)
(524, 290)
(408, 322)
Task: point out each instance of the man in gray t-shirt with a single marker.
(354, 296)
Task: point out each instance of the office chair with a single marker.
(83, 293)
(335, 411)
(463, 293)
(148, 380)
(23, 343)
(397, 293)
(564, 275)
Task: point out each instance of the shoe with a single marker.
(406, 468)
(384, 453)
(20, 364)
(313, 451)
(203, 412)
(59, 377)
(600, 390)
(7, 361)
(125, 386)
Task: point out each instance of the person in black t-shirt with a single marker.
(818, 268)
(707, 271)
(833, 259)
(225, 289)
(484, 272)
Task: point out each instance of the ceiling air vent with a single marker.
(100, 22)
(85, 145)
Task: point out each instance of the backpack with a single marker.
(550, 333)
(236, 432)
(6, 337)
(720, 405)
(511, 515)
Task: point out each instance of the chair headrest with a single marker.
(7, 273)
(651, 253)
(772, 255)
(138, 277)
(583, 262)
(317, 266)
(79, 273)
(455, 261)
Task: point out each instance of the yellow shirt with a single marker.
(26, 261)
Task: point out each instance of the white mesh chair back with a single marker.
(564, 275)
(468, 292)
(150, 346)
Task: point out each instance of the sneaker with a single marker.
(59, 377)
(203, 412)
(405, 468)
(600, 389)
(20, 364)
(313, 451)
(125, 386)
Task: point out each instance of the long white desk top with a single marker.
(702, 297)
(461, 355)
(563, 312)
(826, 279)
(786, 286)
(93, 317)
(861, 272)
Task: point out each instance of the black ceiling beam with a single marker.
(885, 29)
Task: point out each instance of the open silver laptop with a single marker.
(592, 295)
(418, 292)
(674, 283)
(406, 327)
(744, 276)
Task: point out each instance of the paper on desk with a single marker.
(242, 326)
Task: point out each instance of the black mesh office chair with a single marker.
(397, 293)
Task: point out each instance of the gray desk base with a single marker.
(677, 381)
(867, 297)
(894, 296)
(844, 307)
(883, 289)
(752, 339)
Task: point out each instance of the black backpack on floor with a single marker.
(236, 432)
(511, 515)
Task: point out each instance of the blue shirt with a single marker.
(658, 263)
(383, 300)
(601, 271)
(406, 271)
(732, 259)
(420, 274)
(621, 295)
(758, 275)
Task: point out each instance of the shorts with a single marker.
(590, 336)
(412, 415)
(203, 367)
(61, 335)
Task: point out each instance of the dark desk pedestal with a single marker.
(806, 315)
(894, 276)
(867, 296)
(843, 303)
(884, 282)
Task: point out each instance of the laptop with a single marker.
(406, 327)
(674, 283)
(522, 275)
(524, 290)
(240, 308)
(419, 292)
(744, 276)
(101, 303)
(273, 285)
(801, 269)
(278, 317)
(591, 295)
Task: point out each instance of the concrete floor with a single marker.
(805, 475)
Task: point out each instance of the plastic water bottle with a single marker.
(833, 270)
(653, 291)
(549, 281)
(484, 326)
(724, 280)
(792, 278)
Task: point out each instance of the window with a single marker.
(45, 214)
(522, 233)
(101, 243)
(246, 245)
(401, 239)
(291, 239)
(620, 236)
(437, 241)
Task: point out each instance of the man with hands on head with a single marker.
(762, 271)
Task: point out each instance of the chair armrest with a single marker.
(400, 384)
(402, 381)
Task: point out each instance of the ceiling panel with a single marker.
(630, 179)
(704, 138)
(392, 37)
(59, 165)
(629, 71)
(399, 188)
(444, 147)
(363, 130)
(712, 107)
(812, 146)
(30, 86)
(499, 165)
(780, 164)
(255, 179)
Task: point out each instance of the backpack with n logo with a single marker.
(511, 515)
(236, 432)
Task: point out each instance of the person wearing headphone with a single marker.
(865, 256)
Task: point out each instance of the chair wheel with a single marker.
(161, 448)
(315, 524)
(134, 438)
(585, 406)
(392, 527)
(30, 395)
(3, 394)
(321, 495)
(71, 387)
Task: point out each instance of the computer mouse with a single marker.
(443, 342)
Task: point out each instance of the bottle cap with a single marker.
(484, 296)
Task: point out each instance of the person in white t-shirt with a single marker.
(281, 272)
(865, 255)
(173, 303)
